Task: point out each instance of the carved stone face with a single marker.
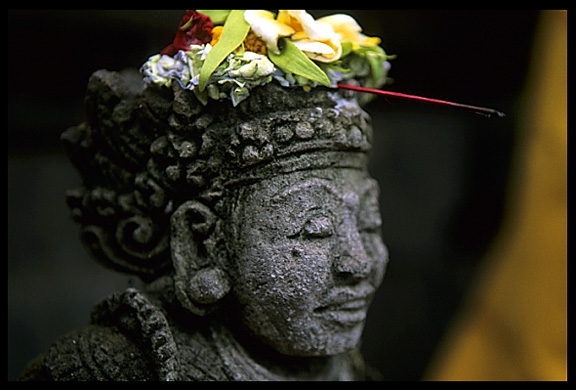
(308, 259)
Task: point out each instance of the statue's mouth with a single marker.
(346, 305)
(348, 314)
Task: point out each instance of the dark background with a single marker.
(443, 172)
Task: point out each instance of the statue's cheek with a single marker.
(289, 273)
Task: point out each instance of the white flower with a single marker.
(305, 26)
(264, 25)
(314, 37)
(347, 29)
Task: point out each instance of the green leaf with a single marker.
(218, 16)
(346, 48)
(376, 64)
(233, 34)
(295, 61)
(375, 56)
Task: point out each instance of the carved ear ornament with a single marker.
(199, 281)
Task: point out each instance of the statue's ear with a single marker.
(199, 283)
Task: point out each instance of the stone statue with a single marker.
(255, 228)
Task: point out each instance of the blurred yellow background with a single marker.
(514, 324)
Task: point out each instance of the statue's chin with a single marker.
(321, 344)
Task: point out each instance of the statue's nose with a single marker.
(352, 260)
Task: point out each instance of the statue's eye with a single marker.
(319, 227)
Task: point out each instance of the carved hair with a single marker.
(145, 151)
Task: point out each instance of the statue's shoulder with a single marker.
(93, 353)
(128, 338)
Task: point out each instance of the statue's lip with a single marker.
(346, 306)
(347, 299)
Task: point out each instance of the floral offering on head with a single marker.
(222, 54)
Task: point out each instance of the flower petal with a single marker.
(308, 45)
(346, 28)
(342, 23)
(301, 20)
(307, 30)
(263, 24)
(327, 51)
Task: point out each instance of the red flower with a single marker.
(194, 29)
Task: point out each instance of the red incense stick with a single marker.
(477, 110)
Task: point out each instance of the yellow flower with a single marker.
(314, 37)
(347, 29)
(216, 33)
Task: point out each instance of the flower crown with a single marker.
(220, 54)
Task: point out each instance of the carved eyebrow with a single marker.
(350, 199)
(308, 184)
(309, 206)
